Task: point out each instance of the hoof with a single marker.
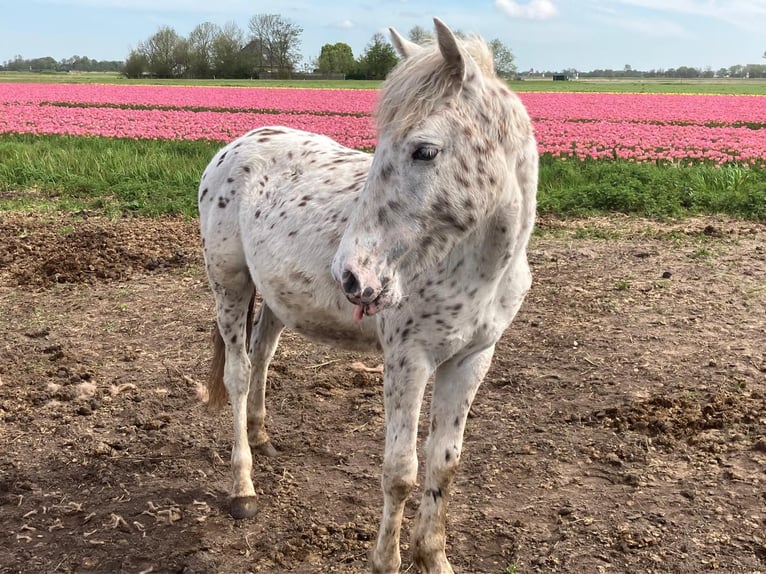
(243, 507)
(267, 449)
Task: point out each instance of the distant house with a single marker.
(560, 77)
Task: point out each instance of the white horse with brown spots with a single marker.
(427, 239)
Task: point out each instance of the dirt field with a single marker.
(621, 428)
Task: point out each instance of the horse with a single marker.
(417, 251)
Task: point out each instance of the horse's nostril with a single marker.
(350, 282)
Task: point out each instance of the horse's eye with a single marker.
(425, 153)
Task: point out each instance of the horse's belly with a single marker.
(306, 300)
(327, 325)
(344, 336)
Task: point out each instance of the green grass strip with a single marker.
(110, 175)
(573, 187)
(158, 177)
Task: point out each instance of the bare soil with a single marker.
(621, 428)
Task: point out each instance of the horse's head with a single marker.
(446, 131)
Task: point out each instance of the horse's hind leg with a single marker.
(263, 344)
(233, 290)
(455, 386)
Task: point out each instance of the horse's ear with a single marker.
(459, 62)
(402, 45)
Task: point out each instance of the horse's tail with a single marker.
(216, 390)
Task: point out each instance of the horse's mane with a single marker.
(418, 83)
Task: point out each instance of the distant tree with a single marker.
(15, 65)
(736, 71)
(275, 43)
(755, 70)
(46, 64)
(200, 47)
(336, 58)
(229, 59)
(136, 65)
(503, 59)
(420, 35)
(181, 58)
(160, 51)
(687, 72)
(71, 63)
(378, 59)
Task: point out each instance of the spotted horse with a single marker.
(418, 251)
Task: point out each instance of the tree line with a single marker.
(628, 72)
(270, 48)
(71, 64)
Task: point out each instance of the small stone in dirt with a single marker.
(760, 445)
(667, 274)
(631, 479)
(566, 510)
(712, 231)
(613, 459)
(85, 411)
(102, 448)
(153, 424)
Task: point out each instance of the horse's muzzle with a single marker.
(364, 289)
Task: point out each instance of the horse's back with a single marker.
(274, 203)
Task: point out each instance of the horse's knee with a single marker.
(399, 479)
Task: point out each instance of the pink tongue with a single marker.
(358, 313)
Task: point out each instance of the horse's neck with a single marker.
(486, 251)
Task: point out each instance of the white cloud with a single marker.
(345, 24)
(532, 10)
(738, 12)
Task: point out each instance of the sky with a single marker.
(545, 35)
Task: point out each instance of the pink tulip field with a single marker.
(670, 128)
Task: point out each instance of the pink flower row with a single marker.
(662, 108)
(631, 126)
(655, 108)
(282, 99)
(650, 142)
(352, 131)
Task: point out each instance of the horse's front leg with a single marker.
(455, 387)
(403, 384)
